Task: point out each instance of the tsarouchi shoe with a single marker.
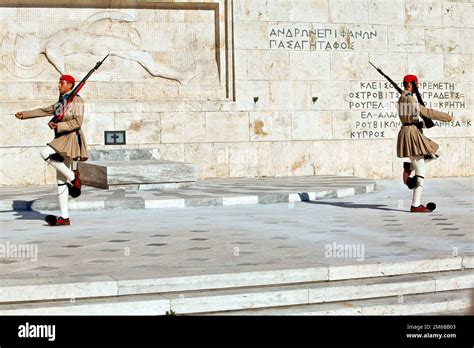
(57, 221)
(420, 209)
(75, 186)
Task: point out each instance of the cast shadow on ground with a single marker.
(305, 198)
(23, 211)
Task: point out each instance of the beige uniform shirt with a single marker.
(70, 140)
(411, 141)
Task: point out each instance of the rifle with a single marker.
(74, 92)
(428, 122)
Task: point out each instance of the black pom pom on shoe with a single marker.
(74, 192)
(431, 206)
(411, 182)
(51, 220)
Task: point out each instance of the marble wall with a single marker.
(267, 87)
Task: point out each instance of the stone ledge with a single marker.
(135, 169)
(19, 290)
(430, 303)
(208, 192)
(168, 200)
(124, 154)
(141, 173)
(245, 298)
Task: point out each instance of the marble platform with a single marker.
(246, 258)
(209, 192)
(138, 169)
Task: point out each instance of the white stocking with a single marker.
(60, 166)
(418, 164)
(63, 195)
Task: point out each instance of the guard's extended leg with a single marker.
(58, 162)
(63, 197)
(418, 164)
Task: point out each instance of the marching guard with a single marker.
(412, 143)
(68, 145)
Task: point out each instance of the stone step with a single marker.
(206, 192)
(469, 311)
(89, 200)
(235, 299)
(446, 302)
(138, 169)
(144, 174)
(17, 290)
(346, 290)
(124, 154)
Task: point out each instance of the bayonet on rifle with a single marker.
(428, 122)
(75, 91)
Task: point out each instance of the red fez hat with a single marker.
(67, 78)
(410, 78)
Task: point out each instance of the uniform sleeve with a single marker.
(429, 113)
(433, 114)
(77, 113)
(40, 112)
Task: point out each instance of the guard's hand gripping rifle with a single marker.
(60, 111)
(428, 122)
